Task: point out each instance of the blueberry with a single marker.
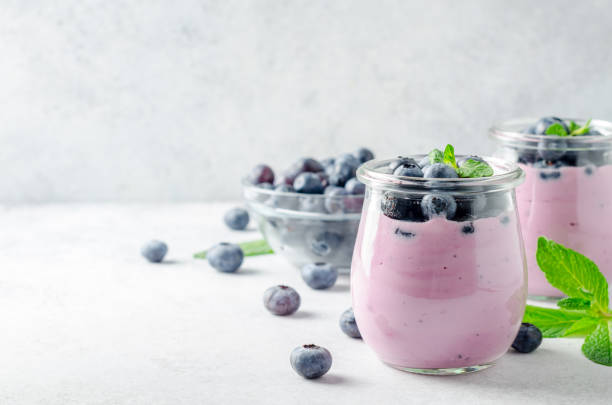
(281, 300)
(319, 276)
(261, 174)
(225, 257)
(401, 161)
(355, 187)
(440, 171)
(324, 177)
(236, 218)
(526, 156)
(324, 242)
(405, 208)
(464, 159)
(468, 229)
(594, 132)
(341, 173)
(334, 203)
(437, 204)
(550, 175)
(408, 170)
(364, 154)
(309, 165)
(348, 324)
(154, 251)
(543, 123)
(304, 165)
(310, 361)
(470, 207)
(309, 183)
(528, 339)
(551, 149)
(349, 159)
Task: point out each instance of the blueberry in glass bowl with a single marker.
(312, 213)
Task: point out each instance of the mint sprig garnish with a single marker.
(556, 129)
(474, 168)
(449, 156)
(585, 312)
(436, 156)
(471, 168)
(250, 248)
(574, 129)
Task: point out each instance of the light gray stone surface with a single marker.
(86, 320)
(171, 101)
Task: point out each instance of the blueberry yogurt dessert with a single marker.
(437, 278)
(309, 212)
(567, 193)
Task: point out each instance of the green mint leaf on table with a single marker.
(552, 322)
(556, 129)
(251, 248)
(474, 168)
(436, 156)
(449, 156)
(582, 327)
(572, 273)
(574, 303)
(597, 346)
(585, 312)
(576, 130)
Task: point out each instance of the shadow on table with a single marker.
(553, 372)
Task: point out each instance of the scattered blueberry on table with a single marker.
(281, 300)
(310, 361)
(319, 276)
(236, 218)
(528, 338)
(225, 257)
(154, 251)
(349, 325)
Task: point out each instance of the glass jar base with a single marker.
(443, 371)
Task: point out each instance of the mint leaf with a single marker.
(573, 126)
(582, 327)
(574, 274)
(556, 129)
(552, 322)
(436, 156)
(580, 130)
(449, 156)
(251, 248)
(597, 346)
(474, 168)
(576, 304)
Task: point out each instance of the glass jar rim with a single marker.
(507, 175)
(509, 132)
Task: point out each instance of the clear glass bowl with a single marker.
(438, 276)
(306, 228)
(567, 193)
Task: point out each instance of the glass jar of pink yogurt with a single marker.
(567, 193)
(438, 277)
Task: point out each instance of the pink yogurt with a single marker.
(574, 209)
(428, 296)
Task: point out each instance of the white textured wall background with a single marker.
(157, 100)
